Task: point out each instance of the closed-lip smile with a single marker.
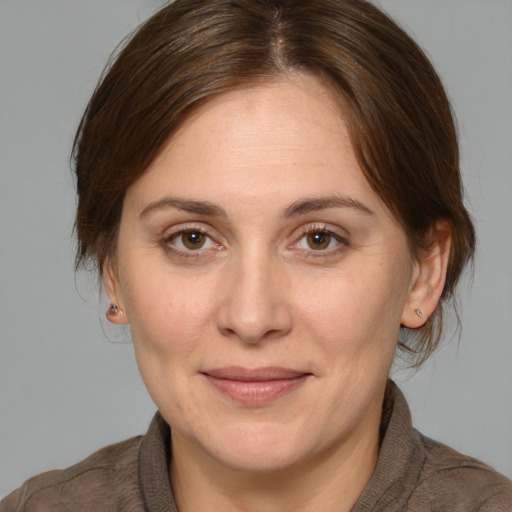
(255, 387)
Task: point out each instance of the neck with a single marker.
(330, 481)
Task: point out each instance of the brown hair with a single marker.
(398, 115)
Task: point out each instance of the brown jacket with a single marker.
(413, 473)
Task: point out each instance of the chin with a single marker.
(257, 448)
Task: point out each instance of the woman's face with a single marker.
(263, 280)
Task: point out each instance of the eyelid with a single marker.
(342, 239)
(175, 231)
(339, 234)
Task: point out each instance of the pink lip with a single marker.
(255, 387)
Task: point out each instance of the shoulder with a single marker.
(415, 473)
(106, 480)
(452, 481)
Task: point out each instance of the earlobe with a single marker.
(115, 312)
(429, 277)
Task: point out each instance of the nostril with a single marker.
(253, 306)
(256, 329)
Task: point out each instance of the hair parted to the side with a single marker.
(399, 118)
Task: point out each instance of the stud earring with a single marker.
(115, 309)
(419, 313)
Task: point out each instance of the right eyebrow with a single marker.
(188, 205)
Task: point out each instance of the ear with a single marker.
(116, 315)
(429, 277)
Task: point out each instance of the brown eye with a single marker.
(318, 240)
(190, 243)
(193, 239)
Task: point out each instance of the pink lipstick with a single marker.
(255, 387)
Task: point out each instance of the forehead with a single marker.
(280, 141)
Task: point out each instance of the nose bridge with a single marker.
(255, 306)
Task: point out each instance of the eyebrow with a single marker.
(308, 205)
(188, 205)
(300, 207)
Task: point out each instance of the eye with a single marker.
(192, 239)
(188, 240)
(320, 241)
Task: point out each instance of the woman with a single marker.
(270, 192)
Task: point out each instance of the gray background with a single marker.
(68, 381)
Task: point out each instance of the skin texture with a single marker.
(321, 289)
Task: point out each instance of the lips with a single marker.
(255, 387)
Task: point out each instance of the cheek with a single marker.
(359, 311)
(167, 312)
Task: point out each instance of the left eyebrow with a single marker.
(307, 205)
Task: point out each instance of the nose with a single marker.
(254, 307)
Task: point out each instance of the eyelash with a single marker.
(342, 244)
(167, 241)
(191, 254)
